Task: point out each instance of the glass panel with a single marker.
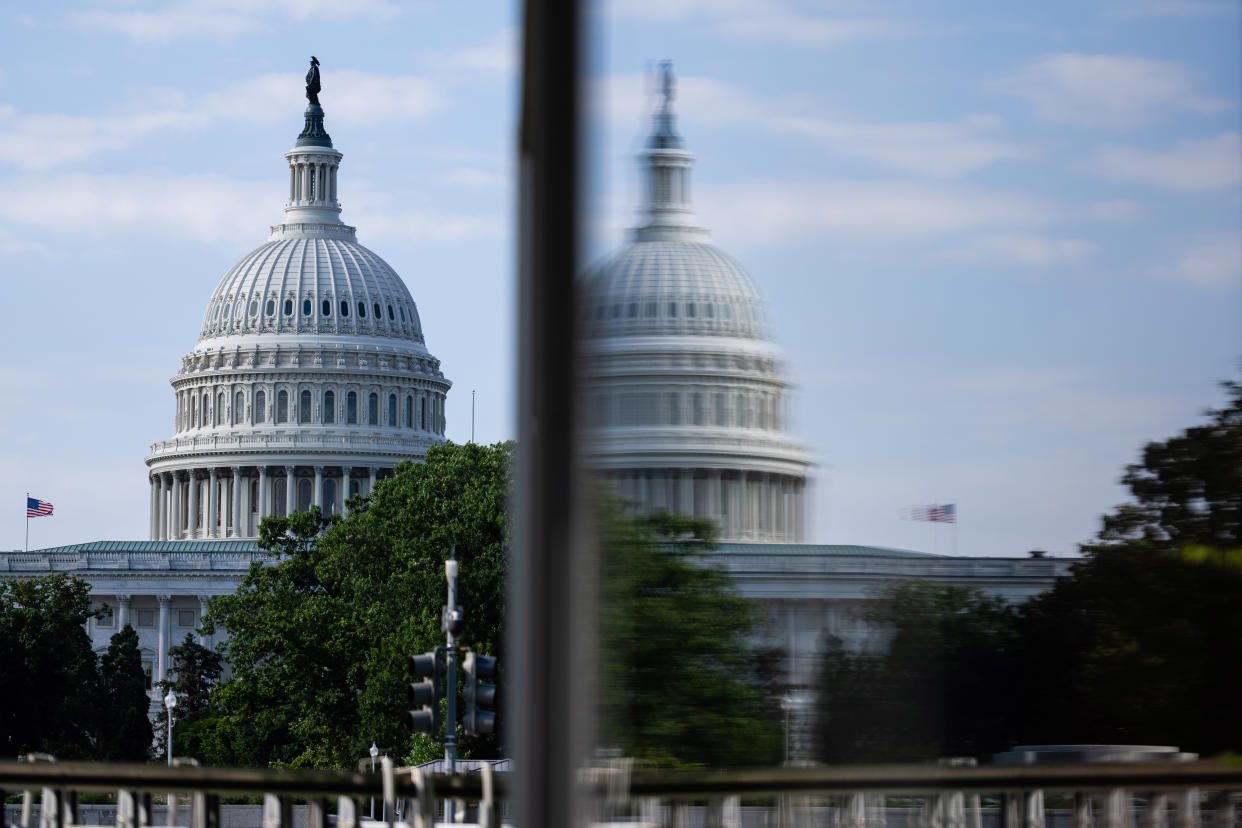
(329, 407)
(373, 409)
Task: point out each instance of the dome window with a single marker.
(329, 407)
(599, 312)
(711, 311)
(351, 408)
(373, 409)
(402, 313)
(239, 407)
(409, 405)
(633, 312)
(616, 311)
(282, 407)
(254, 307)
(270, 308)
(306, 307)
(260, 407)
(651, 309)
(228, 307)
(375, 307)
(690, 309)
(392, 409)
(362, 310)
(390, 316)
(288, 307)
(344, 308)
(304, 406)
(672, 310)
(327, 307)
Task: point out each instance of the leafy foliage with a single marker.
(123, 732)
(681, 684)
(47, 694)
(934, 692)
(196, 671)
(319, 640)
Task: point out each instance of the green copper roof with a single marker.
(830, 549)
(153, 546)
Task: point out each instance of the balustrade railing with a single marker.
(1136, 795)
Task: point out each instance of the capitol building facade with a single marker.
(310, 379)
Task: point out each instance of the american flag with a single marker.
(936, 513)
(37, 508)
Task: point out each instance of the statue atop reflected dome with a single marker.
(667, 83)
(312, 82)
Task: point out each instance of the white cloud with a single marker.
(1172, 8)
(496, 56)
(937, 148)
(763, 20)
(779, 211)
(1024, 249)
(1213, 260)
(39, 140)
(1103, 90)
(203, 209)
(1192, 165)
(222, 18)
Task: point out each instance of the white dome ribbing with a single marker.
(687, 386)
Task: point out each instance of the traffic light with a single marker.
(424, 693)
(477, 721)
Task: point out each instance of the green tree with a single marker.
(681, 684)
(49, 684)
(1142, 643)
(123, 729)
(319, 640)
(195, 672)
(933, 692)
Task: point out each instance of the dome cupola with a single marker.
(310, 378)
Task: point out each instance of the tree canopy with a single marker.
(195, 672)
(123, 732)
(681, 683)
(48, 692)
(319, 640)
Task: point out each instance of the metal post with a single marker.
(451, 618)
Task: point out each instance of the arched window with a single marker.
(193, 412)
(720, 409)
(254, 497)
(390, 316)
(278, 508)
(344, 308)
(739, 412)
(409, 411)
(674, 408)
(355, 488)
(288, 307)
(260, 407)
(239, 407)
(327, 307)
(375, 307)
(282, 406)
(362, 310)
(392, 409)
(304, 495)
(329, 407)
(306, 307)
(696, 408)
(422, 413)
(218, 414)
(373, 409)
(351, 408)
(270, 308)
(203, 411)
(329, 497)
(304, 407)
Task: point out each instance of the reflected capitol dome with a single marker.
(687, 406)
(310, 379)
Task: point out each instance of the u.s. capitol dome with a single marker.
(310, 379)
(687, 408)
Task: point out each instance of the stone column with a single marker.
(713, 499)
(213, 504)
(203, 639)
(122, 612)
(687, 492)
(262, 492)
(290, 491)
(346, 474)
(175, 528)
(644, 492)
(153, 515)
(161, 665)
(371, 480)
(192, 511)
(235, 500)
(318, 493)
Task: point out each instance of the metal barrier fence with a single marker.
(1139, 795)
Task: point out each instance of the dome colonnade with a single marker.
(687, 388)
(310, 379)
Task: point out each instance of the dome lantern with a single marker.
(670, 213)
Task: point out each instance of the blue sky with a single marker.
(1003, 242)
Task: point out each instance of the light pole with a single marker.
(170, 701)
(374, 753)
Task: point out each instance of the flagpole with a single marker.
(27, 548)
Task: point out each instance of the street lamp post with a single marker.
(374, 753)
(170, 701)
